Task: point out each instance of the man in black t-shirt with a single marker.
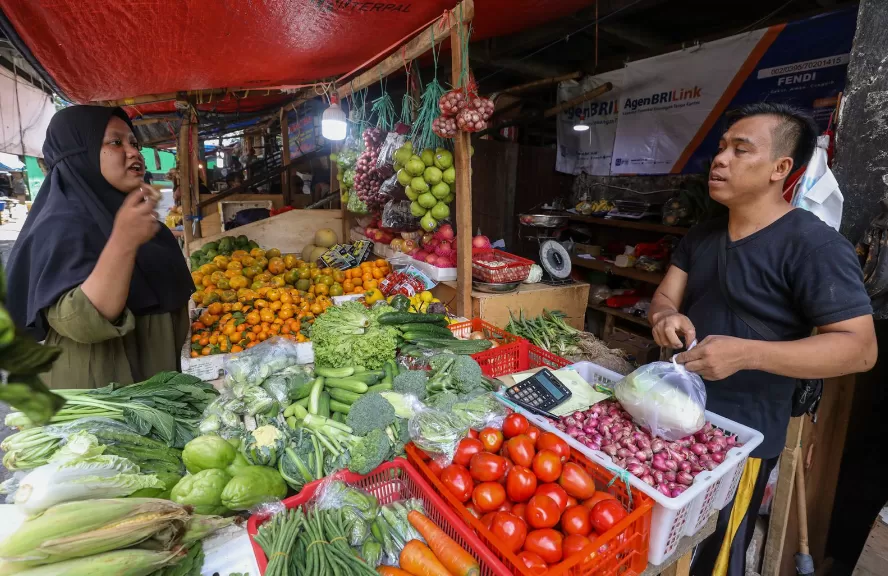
(784, 268)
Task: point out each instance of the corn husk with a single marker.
(78, 529)
(131, 562)
(200, 526)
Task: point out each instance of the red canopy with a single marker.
(111, 49)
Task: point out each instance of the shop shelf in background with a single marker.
(621, 551)
(395, 480)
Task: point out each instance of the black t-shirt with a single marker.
(794, 275)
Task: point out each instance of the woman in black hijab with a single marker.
(92, 271)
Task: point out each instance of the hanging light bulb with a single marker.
(333, 126)
(581, 126)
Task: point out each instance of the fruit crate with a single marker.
(514, 269)
(395, 480)
(622, 550)
(518, 356)
(490, 359)
(672, 518)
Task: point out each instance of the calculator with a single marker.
(542, 390)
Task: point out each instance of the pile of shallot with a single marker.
(670, 467)
(369, 178)
(462, 109)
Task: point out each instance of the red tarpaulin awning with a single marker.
(110, 49)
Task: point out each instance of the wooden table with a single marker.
(571, 299)
(679, 564)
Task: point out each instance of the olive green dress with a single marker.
(96, 352)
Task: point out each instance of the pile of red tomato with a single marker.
(520, 483)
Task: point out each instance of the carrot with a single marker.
(391, 571)
(418, 560)
(454, 557)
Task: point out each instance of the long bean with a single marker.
(277, 537)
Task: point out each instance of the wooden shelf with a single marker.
(620, 314)
(630, 224)
(609, 268)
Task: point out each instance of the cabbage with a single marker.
(666, 398)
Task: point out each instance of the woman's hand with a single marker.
(136, 221)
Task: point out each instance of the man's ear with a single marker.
(782, 169)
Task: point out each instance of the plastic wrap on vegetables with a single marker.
(256, 364)
(482, 411)
(336, 494)
(666, 398)
(437, 432)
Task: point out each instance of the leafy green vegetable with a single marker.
(351, 335)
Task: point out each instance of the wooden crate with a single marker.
(874, 558)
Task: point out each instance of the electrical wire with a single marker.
(760, 20)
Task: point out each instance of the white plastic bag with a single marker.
(665, 397)
(818, 191)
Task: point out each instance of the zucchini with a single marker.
(380, 387)
(344, 395)
(335, 372)
(339, 407)
(389, 377)
(346, 384)
(324, 405)
(315, 395)
(397, 318)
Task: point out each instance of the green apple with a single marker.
(428, 223)
(419, 185)
(415, 166)
(432, 175)
(404, 177)
(440, 190)
(443, 159)
(428, 157)
(417, 210)
(440, 211)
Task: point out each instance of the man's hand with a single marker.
(717, 357)
(667, 328)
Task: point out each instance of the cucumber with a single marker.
(344, 395)
(324, 405)
(339, 417)
(315, 395)
(346, 384)
(388, 378)
(413, 336)
(431, 329)
(368, 377)
(335, 372)
(297, 410)
(456, 346)
(303, 402)
(397, 318)
(380, 387)
(339, 407)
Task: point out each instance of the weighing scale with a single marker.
(555, 262)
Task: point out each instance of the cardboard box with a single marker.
(644, 350)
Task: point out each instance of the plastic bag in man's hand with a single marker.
(665, 397)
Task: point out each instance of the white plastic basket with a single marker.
(673, 518)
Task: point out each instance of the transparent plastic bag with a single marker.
(334, 494)
(481, 412)
(665, 397)
(394, 529)
(437, 432)
(396, 215)
(393, 141)
(253, 366)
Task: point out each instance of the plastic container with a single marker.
(673, 518)
(511, 268)
(623, 550)
(392, 481)
(504, 340)
(516, 357)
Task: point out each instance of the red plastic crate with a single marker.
(517, 357)
(516, 269)
(626, 543)
(396, 480)
(491, 332)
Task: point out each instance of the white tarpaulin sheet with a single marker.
(25, 112)
(589, 151)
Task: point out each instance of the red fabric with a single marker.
(111, 49)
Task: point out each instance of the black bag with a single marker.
(806, 398)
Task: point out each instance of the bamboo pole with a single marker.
(185, 182)
(540, 83)
(285, 156)
(413, 49)
(462, 163)
(194, 164)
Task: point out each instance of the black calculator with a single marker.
(542, 390)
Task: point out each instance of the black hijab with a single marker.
(70, 223)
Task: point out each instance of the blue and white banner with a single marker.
(671, 107)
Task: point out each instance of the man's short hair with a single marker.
(795, 135)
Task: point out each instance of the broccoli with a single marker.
(412, 382)
(443, 401)
(454, 373)
(370, 412)
(369, 452)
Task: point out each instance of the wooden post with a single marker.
(194, 164)
(285, 156)
(463, 165)
(782, 499)
(185, 181)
